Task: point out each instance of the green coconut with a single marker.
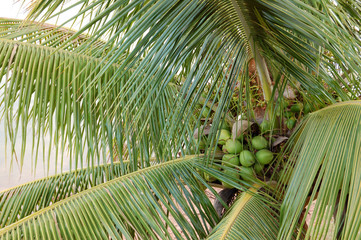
(205, 112)
(233, 146)
(265, 126)
(209, 177)
(232, 174)
(224, 125)
(259, 143)
(224, 135)
(264, 156)
(201, 145)
(290, 123)
(230, 160)
(246, 158)
(307, 108)
(216, 149)
(247, 173)
(296, 108)
(289, 114)
(258, 168)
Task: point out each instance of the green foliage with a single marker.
(130, 206)
(325, 165)
(140, 76)
(21, 201)
(248, 218)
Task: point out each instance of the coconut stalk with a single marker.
(261, 65)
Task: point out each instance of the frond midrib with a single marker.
(237, 210)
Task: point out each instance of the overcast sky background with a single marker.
(12, 9)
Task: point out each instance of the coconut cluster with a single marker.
(250, 160)
(249, 155)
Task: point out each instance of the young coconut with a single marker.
(233, 146)
(265, 126)
(205, 112)
(209, 177)
(264, 156)
(230, 160)
(259, 143)
(224, 135)
(247, 173)
(246, 158)
(225, 126)
(232, 174)
(201, 145)
(258, 168)
(291, 123)
(296, 108)
(307, 108)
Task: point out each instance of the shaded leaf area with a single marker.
(249, 218)
(135, 205)
(52, 92)
(21, 201)
(42, 33)
(325, 166)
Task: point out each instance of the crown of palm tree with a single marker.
(125, 86)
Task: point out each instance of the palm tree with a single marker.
(121, 96)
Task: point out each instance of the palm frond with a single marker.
(134, 205)
(42, 33)
(56, 96)
(200, 43)
(21, 201)
(248, 218)
(325, 166)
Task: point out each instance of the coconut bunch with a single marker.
(249, 158)
(243, 150)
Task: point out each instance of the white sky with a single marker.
(12, 9)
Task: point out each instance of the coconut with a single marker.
(215, 149)
(291, 123)
(289, 114)
(232, 174)
(296, 108)
(307, 108)
(201, 145)
(247, 173)
(258, 168)
(224, 135)
(265, 126)
(233, 146)
(225, 126)
(259, 143)
(246, 158)
(230, 160)
(205, 112)
(209, 177)
(264, 156)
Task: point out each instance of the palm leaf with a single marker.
(40, 33)
(248, 218)
(57, 99)
(208, 43)
(325, 164)
(134, 205)
(21, 201)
